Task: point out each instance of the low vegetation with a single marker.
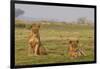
(54, 37)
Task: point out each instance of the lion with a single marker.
(73, 49)
(34, 44)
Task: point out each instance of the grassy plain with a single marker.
(54, 37)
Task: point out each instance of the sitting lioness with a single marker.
(34, 44)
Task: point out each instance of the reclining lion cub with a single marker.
(34, 44)
(73, 49)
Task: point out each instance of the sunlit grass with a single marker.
(55, 39)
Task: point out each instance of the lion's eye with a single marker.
(34, 32)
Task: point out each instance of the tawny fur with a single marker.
(34, 44)
(73, 49)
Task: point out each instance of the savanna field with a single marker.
(54, 37)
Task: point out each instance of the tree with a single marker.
(18, 12)
(82, 20)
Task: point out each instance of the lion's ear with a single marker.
(39, 26)
(70, 42)
(77, 41)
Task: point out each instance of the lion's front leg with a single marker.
(30, 51)
(36, 50)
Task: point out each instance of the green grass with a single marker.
(54, 38)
